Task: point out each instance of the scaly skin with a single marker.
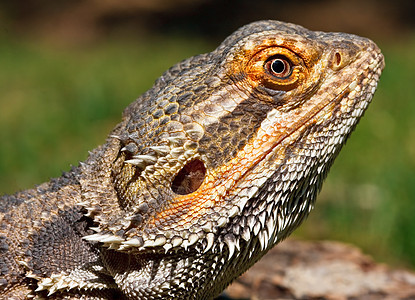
(219, 161)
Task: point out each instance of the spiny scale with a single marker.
(220, 160)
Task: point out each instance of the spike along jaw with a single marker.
(228, 150)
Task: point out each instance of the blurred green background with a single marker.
(68, 69)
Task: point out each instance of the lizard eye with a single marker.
(276, 68)
(189, 178)
(279, 67)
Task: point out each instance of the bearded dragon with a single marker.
(209, 169)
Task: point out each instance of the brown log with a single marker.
(321, 270)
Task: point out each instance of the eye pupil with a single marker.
(278, 66)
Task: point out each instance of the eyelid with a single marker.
(260, 76)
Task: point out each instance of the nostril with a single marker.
(189, 178)
(337, 59)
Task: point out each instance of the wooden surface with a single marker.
(321, 270)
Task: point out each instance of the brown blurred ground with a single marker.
(321, 270)
(79, 21)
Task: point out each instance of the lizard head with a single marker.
(227, 151)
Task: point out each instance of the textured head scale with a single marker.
(224, 156)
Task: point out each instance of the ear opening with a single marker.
(189, 178)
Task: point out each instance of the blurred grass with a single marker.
(57, 103)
